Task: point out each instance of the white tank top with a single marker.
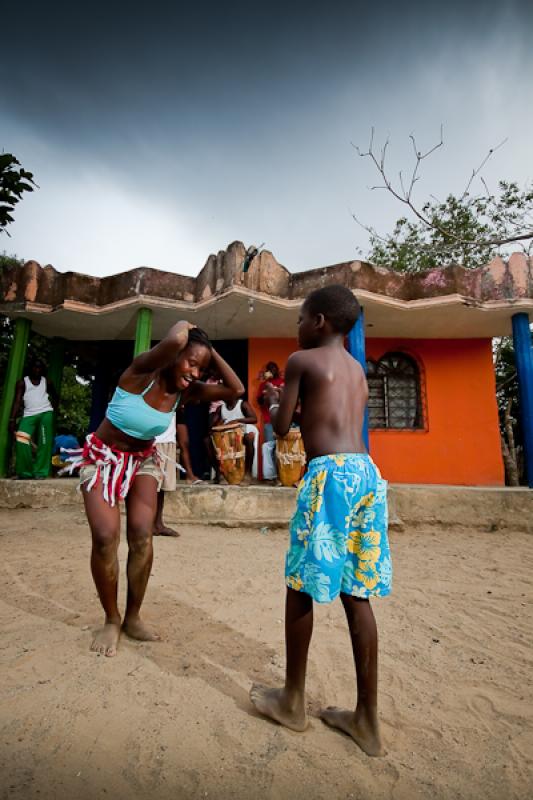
(36, 400)
(169, 435)
(230, 414)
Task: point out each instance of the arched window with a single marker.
(394, 392)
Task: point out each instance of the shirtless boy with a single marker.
(338, 534)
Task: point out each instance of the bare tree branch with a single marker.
(476, 172)
(405, 196)
(369, 230)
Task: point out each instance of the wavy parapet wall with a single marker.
(30, 283)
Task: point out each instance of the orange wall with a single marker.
(260, 351)
(461, 441)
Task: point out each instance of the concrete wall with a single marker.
(410, 507)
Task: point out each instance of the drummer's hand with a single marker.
(271, 393)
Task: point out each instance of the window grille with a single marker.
(394, 393)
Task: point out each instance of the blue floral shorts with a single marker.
(338, 534)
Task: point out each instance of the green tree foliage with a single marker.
(461, 230)
(508, 409)
(14, 181)
(75, 405)
(9, 261)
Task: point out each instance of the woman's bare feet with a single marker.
(276, 704)
(106, 639)
(135, 628)
(164, 530)
(363, 730)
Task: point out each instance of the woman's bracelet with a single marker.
(274, 405)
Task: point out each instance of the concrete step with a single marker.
(410, 507)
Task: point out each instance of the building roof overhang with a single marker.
(242, 314)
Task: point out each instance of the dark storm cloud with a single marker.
(74, 66)
(237, 117)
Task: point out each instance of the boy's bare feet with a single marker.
(106, 639)
(135, 628)
(164, 530)
(364, 732)
(274, 703)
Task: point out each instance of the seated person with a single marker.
(242, 411)
(271, 377)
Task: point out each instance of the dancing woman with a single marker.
(119, 462)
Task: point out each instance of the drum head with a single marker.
(293, 433)
(228, 426)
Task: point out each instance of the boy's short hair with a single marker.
(337, 304)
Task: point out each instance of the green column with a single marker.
(143, 331)
(15, 368)
(56, 362)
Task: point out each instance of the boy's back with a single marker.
(338, 534)
(333, 393)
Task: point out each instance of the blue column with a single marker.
(356, 348)
(524, 369)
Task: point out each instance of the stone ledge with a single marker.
(410, 506)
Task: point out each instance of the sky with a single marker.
(158, 133)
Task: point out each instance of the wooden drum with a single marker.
(290, 456)
(228, 441)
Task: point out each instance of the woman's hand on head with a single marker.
(185, 325)
(182, 330)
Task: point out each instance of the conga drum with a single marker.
(228, 441)
(290, 455)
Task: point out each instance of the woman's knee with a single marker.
(105, 540)
(139, 537)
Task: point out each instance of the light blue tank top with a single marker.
(131, 414)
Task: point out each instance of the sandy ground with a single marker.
(173, 720)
